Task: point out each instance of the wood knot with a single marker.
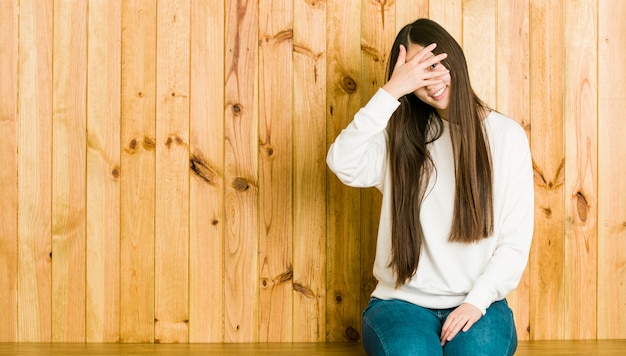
(270, 151)
(281, 36)
(582, 206)
(240, 184)
(149, 143)
(237, 109)
(285, 276)
(348, 84)
(132, 144)
(352, 334)
(314, 3)
(115, 172)
(201, 169)
(547, 212)
(338, 298)
(174, 139)
(305, 291)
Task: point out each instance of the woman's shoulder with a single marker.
(501, 126)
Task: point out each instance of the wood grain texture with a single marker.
(309, 172)
(8, 170)
(103, 171)
(513, 99)
(378, 32)
(137, 190)
(449, 14)
(480, 29)
(343, 236)
(206, 184)
(525, 348)
(581, 122)
(171, 292)
(241, 172)
(611, 190)
(69, 171)
(34, 307)
(513, 95)
(408, 11)
(275, 171)
(210, 215)
(547, 147)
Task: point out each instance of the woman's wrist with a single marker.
(392, 90)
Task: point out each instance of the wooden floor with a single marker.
(553, 348)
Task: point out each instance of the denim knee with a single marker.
(394, 327)
(492, 335)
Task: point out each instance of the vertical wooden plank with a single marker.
(309, 171)
(34, 306)
(241, 275)
(378, 31)
(580, 283)
(103, 171)
(275, 170)
(480, 22)
(611, 167)
(408, 11)
(8, 170)
(513, 60)
(137, 187)
(449, 14)
(546, 117)
(206, 141)
(68, 171)
(343, 236)
(513, 99)
(172, 173)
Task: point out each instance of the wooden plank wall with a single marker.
(163, 172)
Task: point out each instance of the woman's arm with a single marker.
(358, 154)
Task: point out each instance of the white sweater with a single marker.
(449, 273)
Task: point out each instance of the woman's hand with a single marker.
(462, 318)
(408, 76)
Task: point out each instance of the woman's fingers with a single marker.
(434, 59)
(451, 328)
(415, 73)
(423, 53)
(463, 317)
(401, 56)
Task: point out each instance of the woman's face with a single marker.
(438, 95)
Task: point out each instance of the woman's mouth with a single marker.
(439, 93)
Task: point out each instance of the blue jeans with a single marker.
(395, 327)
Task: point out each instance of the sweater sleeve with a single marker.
(359, 152)
(514, 234)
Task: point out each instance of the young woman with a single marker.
(457, 214)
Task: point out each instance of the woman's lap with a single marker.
(394, 327)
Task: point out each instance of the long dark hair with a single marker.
(414, 125)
